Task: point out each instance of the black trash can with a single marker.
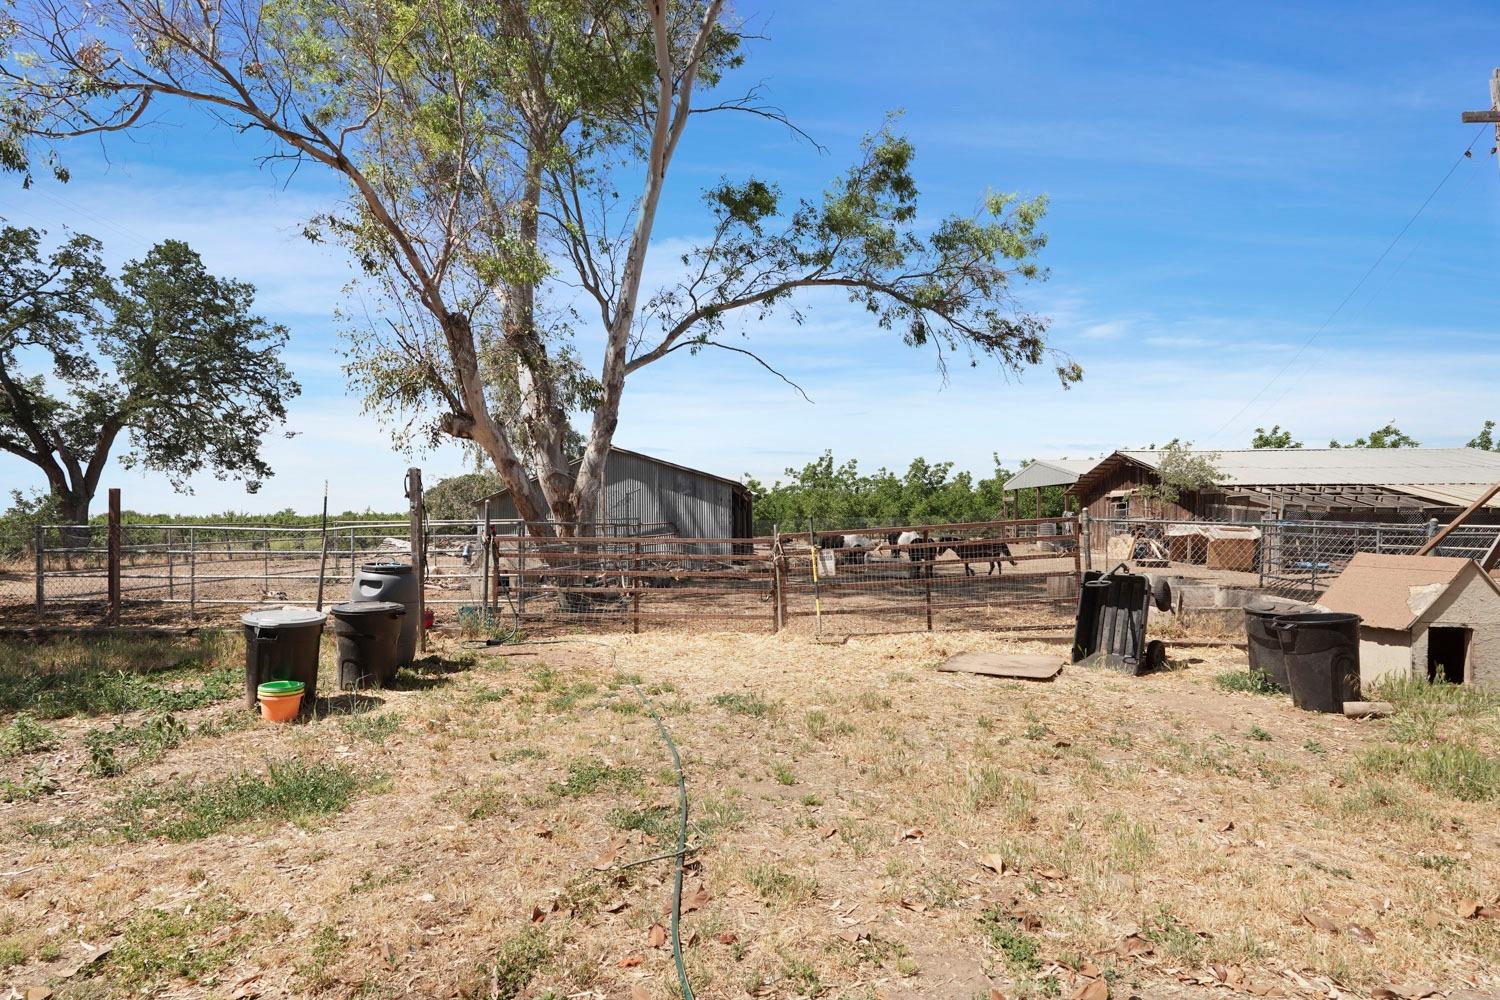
(1321, 654)
(368, 635)
(392, 582)
(281, 644)
(1263, 644)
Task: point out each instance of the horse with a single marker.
(976, 551)
(922, 556)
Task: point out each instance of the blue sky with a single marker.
(1220, 175)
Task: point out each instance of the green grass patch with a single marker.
(515, 963)
(1259, 734)
(157, 946)
(783, 775)
(1246, 681)
(657, 822)
(34, 783)
(1022, 952)
(112, 675)
(743, 704)
(289, 790)
(588, 776)
(1454, 769)
(775, 885)
(822, 727)
(375, 728)
(144, 744)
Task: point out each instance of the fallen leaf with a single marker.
(631, 961)
(995, 994)
(827, 831)
(616, 906)
(696, 901)
(1226, 826)
(1359, 933)
(1095, 990)
(915, 907)
(993, 862)
(656, 935)
(1315, 919)
(915, 833)
(1048, 872)
(727, 937)
(545, 834)
(639, 992)
(538, 914)
(37, 993)
(854, 935)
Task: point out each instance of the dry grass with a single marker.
(850, 810)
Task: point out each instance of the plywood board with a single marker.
(1013, 665)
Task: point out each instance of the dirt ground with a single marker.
(862, 826)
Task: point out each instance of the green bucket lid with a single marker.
(279, 689)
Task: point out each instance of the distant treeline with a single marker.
(840, 496)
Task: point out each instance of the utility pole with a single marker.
(1492, 116)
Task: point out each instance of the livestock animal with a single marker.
(848, 549)
(922, 557)
(971, 552)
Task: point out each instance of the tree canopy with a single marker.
(1389, 436)
(1273, 438)
(165, 353)
(1485, 439)
(504, 161)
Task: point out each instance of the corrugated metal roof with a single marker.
(1050, 472)
(1445, 494)
(733, 484)
(1395, 468)
(1394, 592)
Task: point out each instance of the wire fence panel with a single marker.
(891, 578)
(1297, 559)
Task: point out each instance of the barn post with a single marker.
(114, 556)
(1077, 548)
(1086, 540)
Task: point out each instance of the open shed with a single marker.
(1436, 617)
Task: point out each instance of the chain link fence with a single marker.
(1297, 559)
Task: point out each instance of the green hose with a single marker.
(682, 801)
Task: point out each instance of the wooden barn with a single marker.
(1433, 617)
(1346, 484)
(646, 495)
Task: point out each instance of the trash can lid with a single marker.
(394, 569)
(351, 608)
(1275, 606)
(279, 689)
(283, 618)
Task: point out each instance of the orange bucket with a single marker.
(280, 700)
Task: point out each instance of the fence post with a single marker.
(265, 561)
(521, 570)
(41, 568)
(777, 594)
(1317, 554)
(193, 570)
(927, 579)
(114, 556)
(171, 576)
(484, 567)
(635, 590)
(1077, 547)
(418, 552)
(1086, 534)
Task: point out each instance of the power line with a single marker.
(1379, 291)
(1352, 292)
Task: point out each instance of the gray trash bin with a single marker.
(392, 582)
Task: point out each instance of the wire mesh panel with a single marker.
(899, 578)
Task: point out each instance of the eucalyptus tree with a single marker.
(505, 162)
(165, 355)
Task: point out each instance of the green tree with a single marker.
(1389, 436)
(505, 160)
(1485, 439)
(1181, 470)
(1273, 438)
(166, 354)
(452, 499)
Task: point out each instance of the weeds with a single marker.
(34, 784)
(1454, 769)
(1246, 681)
(23, 735)
(1021, 952)
(515, 964)
(822, 727)
(773, 885)
(1259, 734)
(106, 677)
(587, 777)
(375, 728)
(289, 790)
(150, 740)
(743, 704)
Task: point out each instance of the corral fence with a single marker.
(1297, 559)
(493, 574)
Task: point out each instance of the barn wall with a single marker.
(1129, 476)
(640, 490)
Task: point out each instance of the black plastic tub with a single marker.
(1321, 653)
(368, 634)
(1262, 642)
(281, 644)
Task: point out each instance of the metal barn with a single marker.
(646, 495)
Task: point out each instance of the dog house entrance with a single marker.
(1447, 654)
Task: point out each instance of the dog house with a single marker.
(1436, 617)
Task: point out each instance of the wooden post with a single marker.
(927, 578)
(635, 590)
(114, 556)
(323, 547)
(418, 552)
(1077, 549)
(777, 594)
(521, 570)
(484, 568)
(40, 547)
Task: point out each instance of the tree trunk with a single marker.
(73, 512)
